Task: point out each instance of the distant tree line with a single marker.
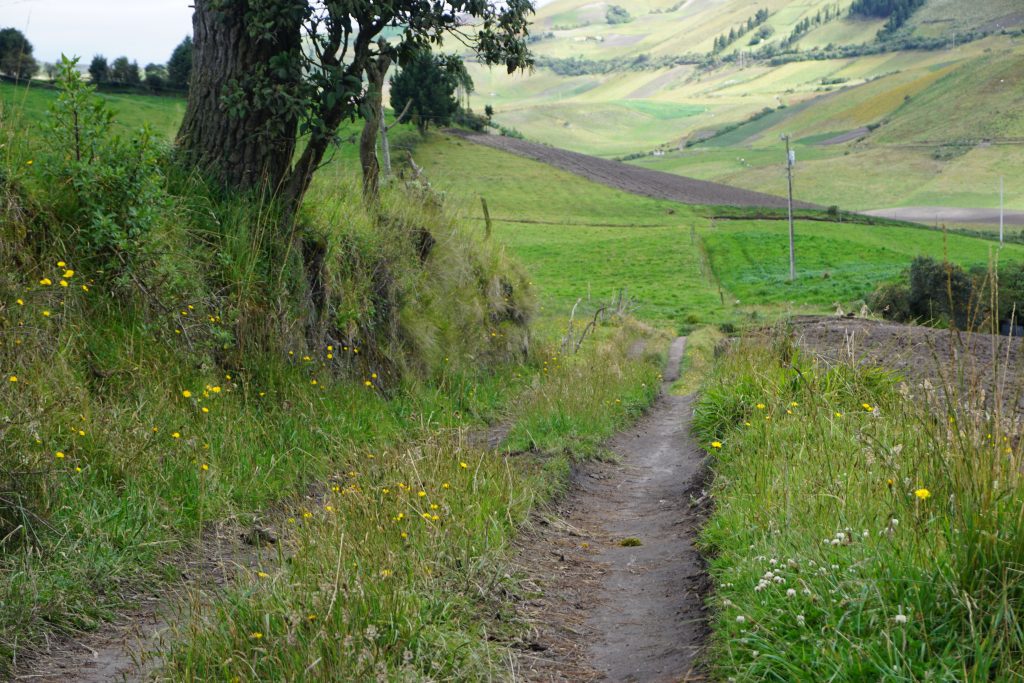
(726, 39)
(805, 25)
(897, 11)
(122, 73)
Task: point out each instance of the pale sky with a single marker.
(143, 30)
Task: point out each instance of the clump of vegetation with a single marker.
(862, 529)
(617, 14)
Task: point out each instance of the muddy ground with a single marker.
(614, 587)
(634, 179)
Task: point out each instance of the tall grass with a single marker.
(865, 529)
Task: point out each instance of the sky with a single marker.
(143, 30)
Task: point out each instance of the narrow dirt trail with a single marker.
(619, 612)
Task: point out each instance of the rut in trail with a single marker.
(625, 613)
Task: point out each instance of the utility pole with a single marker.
(790, 162)
(1001, 210)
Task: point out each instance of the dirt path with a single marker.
(634, 179)
(614, 611)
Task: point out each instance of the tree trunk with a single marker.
(237, 126)
(373, 118)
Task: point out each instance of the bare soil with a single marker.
(983, 367)
(948, 214)
(614, 581)
(634, 179)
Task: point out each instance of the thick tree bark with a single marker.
(236, 128)
(373, 117)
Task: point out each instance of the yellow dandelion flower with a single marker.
(385, 573)
(434, 518)
(21, 302)
(404, 535)
(329, 508)
(46, 282)
(63, 283)
(187, 393)
(59, 455)
(760, 406)
(794, 404)
(313, 382)
(463, 465)
(446, 485)
(204, 467)
(255, 635)
(716, 444)
(330, 356)
(205, 409)
(923, 494)
(262, 575)
(12, 378)
(176, 435)
(215, 390)
(866, 406)
(69, 273)
(311, 617)
(46, 314)
(368, 383)
(422, 494)
(373, 375)
(307, 515)
(81, 432)
(61, 264)
(85, 288)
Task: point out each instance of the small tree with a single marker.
(99, 70)
(489, 112)
(179, 66)
(50, 69)
(427, 86)
(124, 72)
(156, 76)
(16, 58)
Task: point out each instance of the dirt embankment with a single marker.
(633, 179)
(983, 368)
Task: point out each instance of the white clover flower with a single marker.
(791, 593)
(900, 618)
(800, 621)
(740, 619)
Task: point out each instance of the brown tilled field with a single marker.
(987, 367)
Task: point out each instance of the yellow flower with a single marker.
(368, 383)
(330, 356)
(313, 382)
(385, 573)
(307, 515)
(21, 302)
(422, 494)
(760, 406)
(716, 444)
(215, 390)
(176, 435)
(794, 404)
(59, 455)
(61, 264)
(405, 535)
(866, 406)
(63, 283)
(463, 465)
(46, 282)
(262, 575)
(187, 393)
(12, 378)
(81, 432)
(69, 273)
(838, 414)
(923, 494)
(255, 635)
(205, 409)
(46, 314)
(204, 467)
(28, 163)
(373, 375)
(446, 485)
(311, 617)
(85, 288)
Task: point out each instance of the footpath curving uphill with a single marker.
(633, 179)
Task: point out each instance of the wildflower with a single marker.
(313, 382)
(760, 406)
(311, 617)
(187, 393)
(204, 467)
(205, 409)
(405, 535)
(800, 621)
(176, 435)
(85, 288)
(69, 273)
(255, 635)
(422, 494)
(307, 515)
(81, 432)
(262, 575)
(78, 470)
(716, 444)
(329, 508)
(900, 618)
(463, 465)
(63, 283)
(28, 163)
(446, 485)
(923, 494)
(385, 573)
(330, 356)
(740, 619)
(59, 455)
(46, 314)
(21, 302)
(46, 282)
(12, 378)
(215, 390)
(866, 406)
(61, 264)
(838, 414)
(794, 404)
(368, 383)
(373, 375)
(791, 593)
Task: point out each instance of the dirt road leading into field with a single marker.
(621, 584)
(632, 179)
